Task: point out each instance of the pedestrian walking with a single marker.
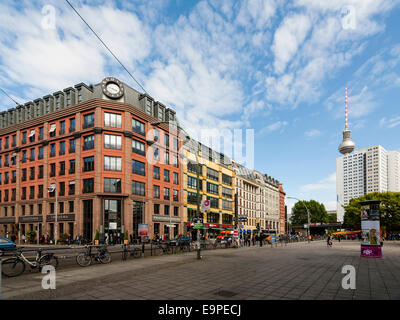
(329, 241)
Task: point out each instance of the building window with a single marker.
(71, 166)
(23, 178)
(62, 168)
(88, 142)
(112, 185)
(176, 195)
(41, 133)
(32, 157)
(32, 136)
(166, 193)
(62, 127)
(112, 163)
(52, 170)
(24, 158)
(156, 192)
(88, 164)
(71, 188)
(176, 178)
(212, 188)
(40, 191)
(62, 148)
(226, 179)
(32, 173)
(40, 153)
(156, 135)
(7, 142)
(88, 185)
(192, 167)
(72, 146)
(88, 120)
(71, 206)
(53, 150)
(166, 175)
(23, 195)
(52, 130)
(138, 167)
(226, 205)
(113, 120)
(138, 188)
(213, 217)
(166, 210)
(156, 211)
(112, 142)
(175, 162)
(176, 211)
(213, 202)
(24, 137)
(138, 147)
(212, 174)
(138, 127)
(72, 125)
(61, 189)
(166, 140)
(156, 173)
(166, 157)
(176, 145)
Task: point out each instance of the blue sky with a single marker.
(278, 67)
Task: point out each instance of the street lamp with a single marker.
(308, 216)
(188, 138)
(52, 188)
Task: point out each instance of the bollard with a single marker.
(143, 249)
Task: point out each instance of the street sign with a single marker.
(205, 205)
(170, 225)
(198, 226)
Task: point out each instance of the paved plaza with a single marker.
(296, 271)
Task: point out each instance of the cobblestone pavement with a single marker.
(296, 271)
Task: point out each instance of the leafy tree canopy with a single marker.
(389, 209)
(317, 210)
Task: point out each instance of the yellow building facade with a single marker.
(217, 184)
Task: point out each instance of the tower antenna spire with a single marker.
(347, 146)
(346, 111)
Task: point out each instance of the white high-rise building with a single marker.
(367, 170)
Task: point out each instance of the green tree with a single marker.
(317, 210)
(390, 210)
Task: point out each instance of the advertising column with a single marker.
(370, 226)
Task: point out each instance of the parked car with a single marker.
(181, 240)
(6, 245)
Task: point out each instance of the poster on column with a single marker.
(143, 230)
(370, 232)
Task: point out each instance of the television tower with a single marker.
(347, 146)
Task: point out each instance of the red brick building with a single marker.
(93, 146)
(282, 210)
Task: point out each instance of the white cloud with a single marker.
(313, 133)
(390, 123)
(278, 125)
(328, 183)
(288, 37)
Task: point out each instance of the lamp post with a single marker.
(308, 216)
(188, 138)
(50, 189)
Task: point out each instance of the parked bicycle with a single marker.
(15, 266)
(130, 252)
(85, 259)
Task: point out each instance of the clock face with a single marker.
(112, 88)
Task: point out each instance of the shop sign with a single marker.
(60, 217)
(198, 226)
(166, 219)
(7, 220)
(31, 219)
(112, 226)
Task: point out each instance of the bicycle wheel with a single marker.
(104, 257)
(12, 267)
(48, 260)
(84, 260)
